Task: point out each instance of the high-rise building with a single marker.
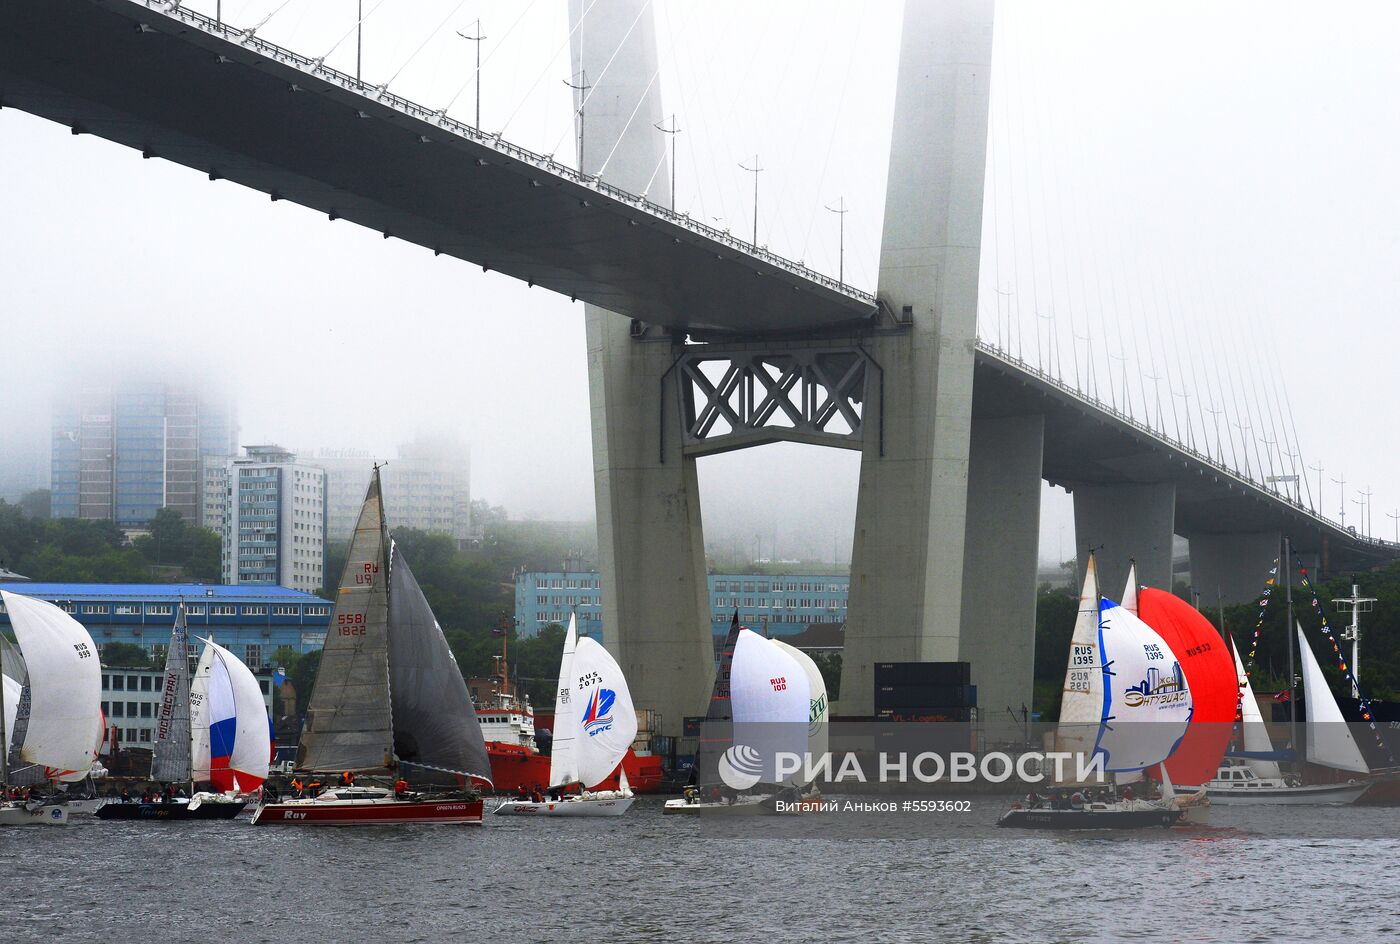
(270, 511)
(24, 450)
(125, 450)
(347, 478)
(428, 487)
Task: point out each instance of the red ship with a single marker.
(508, 725)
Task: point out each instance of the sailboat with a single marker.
(1126, 702)
(221, 716)
(760, 707)
(389, 701)
(49, 713)
(594, 725)
(1256, 779)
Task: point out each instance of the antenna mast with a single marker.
(1357, 605)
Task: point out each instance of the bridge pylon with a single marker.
(651, 546)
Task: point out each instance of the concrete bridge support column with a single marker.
(1000, 561)
(1232, 567)
(651, 548)
(907, 558)
(1122, 523)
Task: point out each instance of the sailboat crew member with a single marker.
(347, 779)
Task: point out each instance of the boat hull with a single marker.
(515, 768)
(86, 805)
(1383, 792)
(368, 812)
(1329, 794)
(41, 816)
(209, 809)
(1089, 819)
(753, 807)
(587, 806)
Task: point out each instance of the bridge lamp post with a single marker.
(1216, 412)
(755, 170)
(841, 212)
(1269, 445)
(475, 39)
(674, 130)
(582, 88)
(1244, 443)
(1395, 516)
(1343, 483)
(1318, 469)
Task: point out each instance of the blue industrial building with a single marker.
(780, 605)
(252, 622)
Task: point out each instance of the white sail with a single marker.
(252, 739)
(606, 722)
(1081, 702)
(1130, 591)
(563, 765)
(96, 770)
(199, 717)
(1130, 603)
(1329, 738)
(1256, 736)
(65, 684)
(817, 733)
(1147, 702)
(771, 701)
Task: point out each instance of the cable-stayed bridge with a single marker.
(721, 344)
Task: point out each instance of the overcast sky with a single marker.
(1185, 191)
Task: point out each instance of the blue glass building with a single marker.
(781, 605)
(251, 622)
(127, 450)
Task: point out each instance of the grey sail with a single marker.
(435, 726)
(717, 733)
(348, 722)
(171, 761)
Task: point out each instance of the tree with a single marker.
(73, 550)
(1055, 612)
(36, 504)
(829, 663)
(174, 541)
(302, 675)
(124, 654)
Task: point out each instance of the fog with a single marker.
(1213, 181)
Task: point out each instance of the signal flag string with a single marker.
(1363, 702)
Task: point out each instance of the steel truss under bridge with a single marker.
(732, 399)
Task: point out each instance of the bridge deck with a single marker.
(1088, 443)
(180, 87)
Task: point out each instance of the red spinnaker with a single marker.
(1210, 675)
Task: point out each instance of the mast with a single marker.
(1288, 636)
(1229, 645)
(4, 733)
